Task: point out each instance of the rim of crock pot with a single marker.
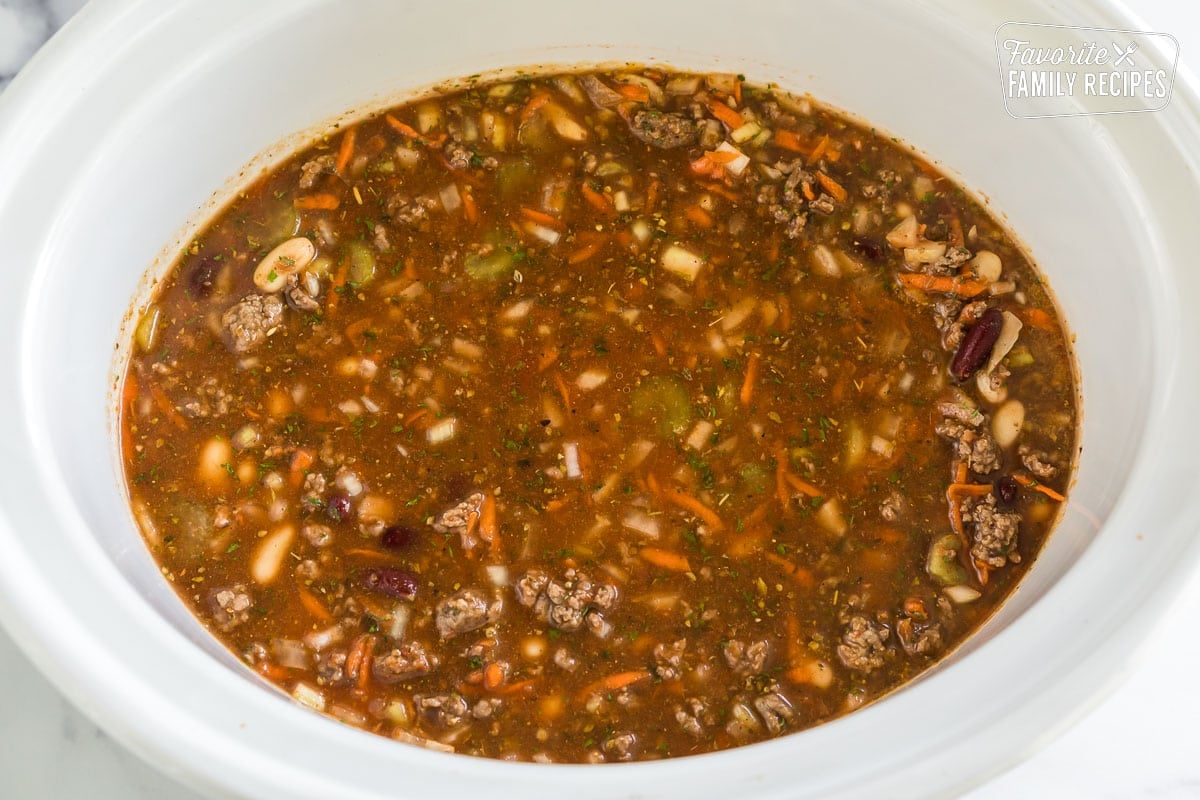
(110, 698)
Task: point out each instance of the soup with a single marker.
(598, 417)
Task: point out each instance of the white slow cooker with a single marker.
(131, 127)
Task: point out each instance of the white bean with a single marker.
(287, 259)
(1006, 424)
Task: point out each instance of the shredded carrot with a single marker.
(781, 484)
(362, 552)
(403, 129)
(516, 688)
(747, 392)
(722, 156)
(335, 286)
(722, 190)
(956, 232)
(557, 504)
(547, 358)
(683, 500)
(489, 528)
(273, 672)
(345, 151)
(945, 284)
(302, 459)
(312, 605)
(416, 416)
(699, 216)
(702, 166)
(1038, 318)
(834, 188)
(129, 392)
(1030, 483)
(536, 101)
(355, 331)
(806, 188)
(666, 559)
(789, 141)
(819, 150)
(612, 683)
(362, 668)
(541, 217)
(961, 490)
(660, 346)
(737, 91)
(563, 391)
(960, 472)
(598, 200)
(797, 573)
(589, 249)
(638, 94)
(493, 676)
(651, 195)
(317, 202)
(732, 119)
(470, 208)
(802, 486)
(167, 407)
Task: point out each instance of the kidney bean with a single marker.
(977, 345)
(397, 537)
(1007, 490)
(870, 247)
(390, 581)
(338, 507)
(200, 279)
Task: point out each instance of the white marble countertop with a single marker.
(1139, 743)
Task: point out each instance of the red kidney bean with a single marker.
(870, 247)
(201, 278)
(1007, 490)
(338, 508)
(390, 581)
(397, 537)
(977, 345)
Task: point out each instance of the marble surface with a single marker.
(1139, 743)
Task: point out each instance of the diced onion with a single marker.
(740, 312)
(823, 262)
(443, 431)
(682, 262)
(700, 434)
(319, 640)
(591, 379)
(518, 310)
(738, 165)
(571, 458)
(829, 516)
(547, 235)
(882, 446)
(467, 349)
(905, 233)
(962, 593)
(451, 199)
(498, 575)
(306, 695)
(643, 523)
(290, 653)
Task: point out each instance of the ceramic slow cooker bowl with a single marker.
(127, 131)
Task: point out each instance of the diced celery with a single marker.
(665, 402)
(362, 262)
(495, 264)
(943, 564)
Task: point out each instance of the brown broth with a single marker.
(673, 403)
